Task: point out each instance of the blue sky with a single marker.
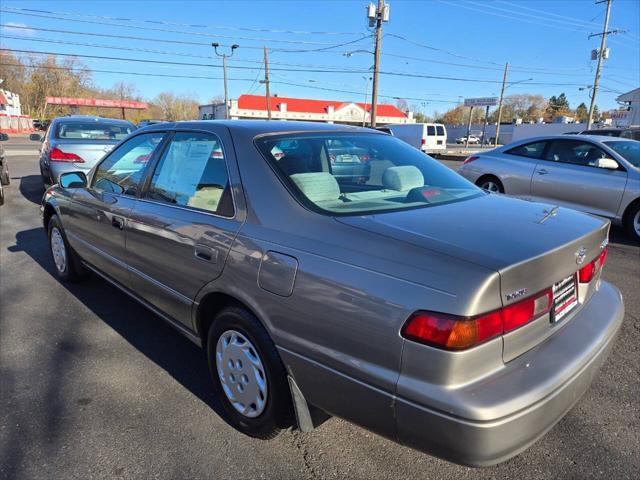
(545, 41)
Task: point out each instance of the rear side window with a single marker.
(440, 130)
(193, 173)
(431, 130)
(93, 131)
(123, 169)
(531, 150)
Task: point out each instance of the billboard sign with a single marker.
(481, 102)
(96, 102)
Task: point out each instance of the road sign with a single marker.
(481, 102)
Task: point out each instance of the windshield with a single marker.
(629, 150)
(349, 174)
(93, 130)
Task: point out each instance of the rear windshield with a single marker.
(629, 150)
(93, 130)
(440, 130)
(431, 130)
(354, 174)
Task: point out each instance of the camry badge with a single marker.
(516, 294)
(581, 254)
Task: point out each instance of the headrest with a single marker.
(317, 186)
(402, 178)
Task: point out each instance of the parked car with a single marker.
(457, 322)
(427, 137)
(598, 175)
(146, 123)
(473, 140)
(4, 168)
(77, 142)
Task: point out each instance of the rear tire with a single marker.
(632, 223)
(490, 183)
(248, 375)
(4, 177)
(65, 261)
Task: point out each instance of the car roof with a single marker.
(85, 118)
(595, 138)
(262, 127)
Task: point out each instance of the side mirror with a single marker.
(36, 137)
(73, 180)
(608, 163)
(4, 137)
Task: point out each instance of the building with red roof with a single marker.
(305, 109)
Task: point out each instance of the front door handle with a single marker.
(542, 171)
(117, 222)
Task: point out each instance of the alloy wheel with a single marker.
(490, 186)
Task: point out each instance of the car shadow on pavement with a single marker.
(31, 188)
(140, 327)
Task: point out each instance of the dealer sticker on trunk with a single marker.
(565, 298)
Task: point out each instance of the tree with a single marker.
(582, 114)
(402, 104)
(177, 107)
(558, 105)
(528, 107)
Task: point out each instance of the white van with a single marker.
(428, 137)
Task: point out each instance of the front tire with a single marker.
(490, 184)
(248, 375)
(66, 262)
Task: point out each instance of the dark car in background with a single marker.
(631, 133)
(77, 142)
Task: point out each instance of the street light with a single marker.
(224, 56)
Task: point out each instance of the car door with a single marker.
(568, 175)
(516, 166)
(182, 228)
(96, 222)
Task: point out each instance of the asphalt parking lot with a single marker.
(92, 385)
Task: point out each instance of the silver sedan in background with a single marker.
(594, 174)
(77, 142)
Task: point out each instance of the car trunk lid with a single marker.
(531, 245)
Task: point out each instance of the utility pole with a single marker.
(466, 142)
(504, 85)
(224, 56)
(266, 83)
(601, 54)
(366, 93)
(376, 15)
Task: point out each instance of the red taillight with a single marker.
(586, 273)
(424, 141)
(58, 155)
(470, 159)
(364, 158)
(459, 333)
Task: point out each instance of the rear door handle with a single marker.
(542, 171)
(205, 253)
(117, 222)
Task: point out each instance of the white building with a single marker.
(630, 117)
(285, 108)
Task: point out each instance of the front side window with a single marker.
(382, 174)
(575, 152)
(629, 150)
(93, 130)
(123, 169)
(193, 173)
(531, 150)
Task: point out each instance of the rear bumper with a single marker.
(527, 398)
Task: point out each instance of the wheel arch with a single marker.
(486, 176)
(627, 211)
(48, 212)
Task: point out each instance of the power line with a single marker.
(386, 72)
(162, 22)
(166, 30)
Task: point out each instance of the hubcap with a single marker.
(636, 223)
(241, 373)
(490, 186)
(58, 250)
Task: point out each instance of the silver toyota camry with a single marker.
(402, 298)
(77, 142)
(594, 174)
